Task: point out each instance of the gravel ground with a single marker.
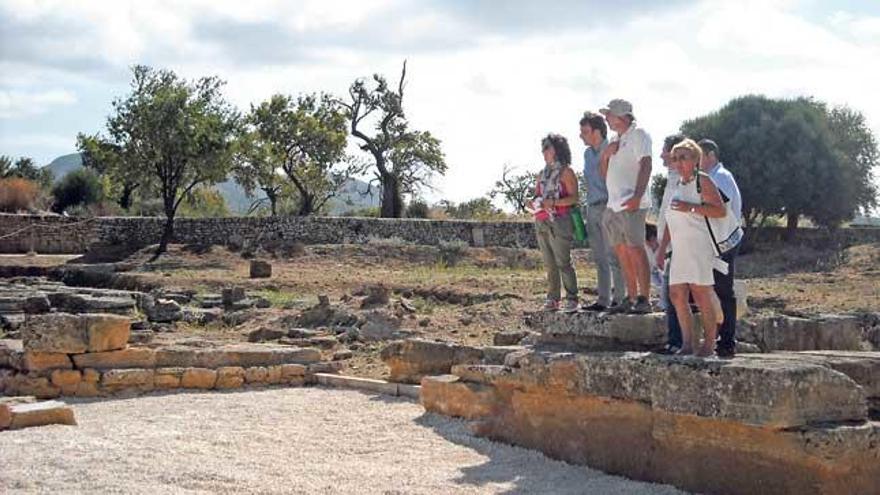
(295, 440)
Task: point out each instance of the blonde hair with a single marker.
(692, 149)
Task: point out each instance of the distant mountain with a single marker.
(65, 164)
(350, 196)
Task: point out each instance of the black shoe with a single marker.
(667, 350)
(595, 307)
(641, 307)
(725, 353)
(620, 308)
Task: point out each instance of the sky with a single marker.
(489, 78)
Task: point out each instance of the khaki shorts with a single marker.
(624, 227)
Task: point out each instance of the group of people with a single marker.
(697, 237)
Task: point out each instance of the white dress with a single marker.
(692, 249)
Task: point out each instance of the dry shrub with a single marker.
(17, 194)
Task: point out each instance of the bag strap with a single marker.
(706, 219)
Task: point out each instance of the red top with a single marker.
(560, 211)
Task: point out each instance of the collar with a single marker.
(602, 146)
(627, 131)
(715, 168)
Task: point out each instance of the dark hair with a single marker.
(650, 231)
(709, 146)
(596, 122)
(672, 140)
(560, 145)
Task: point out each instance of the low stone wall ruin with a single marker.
(762, 424)
(55, 234)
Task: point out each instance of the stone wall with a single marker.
(54, 234)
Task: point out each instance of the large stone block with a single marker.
(75, 334)
(448, 395)
(168, 378)
(829, 332)
(27, 384)
(230, 377)
(591, 331)
(44, 361)
(106, 332)
(766, 392)
(55, 332)
(6, 404)
(136, 380)
(67, 380)
(132, 357)
(244, 355)
(41, 414)
(410, 360)
(199, 378)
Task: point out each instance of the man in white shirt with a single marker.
(627, 168)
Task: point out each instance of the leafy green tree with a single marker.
(658, 187)
(515, 189)
(103, 157)
(80, 187)
(204, 202)
(305, 139)
(792, 158)
(173, 135)
(418, 208)
(404, 160)
(475, 209)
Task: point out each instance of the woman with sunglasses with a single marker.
(694, 200)
(556, 194)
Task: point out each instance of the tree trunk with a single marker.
(273, 200)
(791, 225)
(167, 233)
(306, 205)
(392, 202)
(125, 198)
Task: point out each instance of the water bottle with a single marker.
(580, 230)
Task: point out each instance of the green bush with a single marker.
(451, 252)
(418, 209)
(80, 187)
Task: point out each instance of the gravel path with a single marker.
(295, 440)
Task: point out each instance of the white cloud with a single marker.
(17, 103)
(489, 95)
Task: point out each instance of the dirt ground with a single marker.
(467, 296)
(295, 440)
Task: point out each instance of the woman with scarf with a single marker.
(556, 194)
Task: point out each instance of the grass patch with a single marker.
(282, 299)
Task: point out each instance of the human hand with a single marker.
(682, 206)
(660, 258)
(632, 204)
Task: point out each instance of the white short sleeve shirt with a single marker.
(623, 168)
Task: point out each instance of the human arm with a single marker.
(660, 255)
(605, 157)
(633, 203)
(712, 206)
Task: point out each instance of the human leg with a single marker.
(704, 296)
(601, 252)
(561, 240)
(724, 289)
(544, 244)
(679, 294)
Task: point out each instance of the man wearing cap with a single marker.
(627, 168)
(594, 134)
(724, 180)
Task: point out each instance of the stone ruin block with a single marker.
(793, 426)
(75, 334)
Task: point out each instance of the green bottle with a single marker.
(580, 230)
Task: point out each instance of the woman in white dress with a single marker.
(695, 199)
